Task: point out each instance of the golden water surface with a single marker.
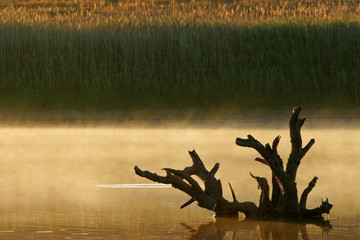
(50, 177)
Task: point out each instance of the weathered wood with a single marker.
(306, 192)
(284, 202)
(211, 197)
(264, 202)
(297, 152)
(232, 193)
(325, 207)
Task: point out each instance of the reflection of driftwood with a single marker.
(283, 203)
(267, 230)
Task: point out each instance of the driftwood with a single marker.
(283, 202)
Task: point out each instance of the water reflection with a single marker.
(221, 228)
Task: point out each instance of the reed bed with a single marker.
(131, 55)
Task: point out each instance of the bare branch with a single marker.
(182, 180)
(185, 176)
(196, 159)
(232, 193)
(251, 142)
(198, 167)
(264, 201)
(263, 184)
(277, 191)
(174, 180)
(276, 143)
(262, 161)
(213, 186)
(214, 169)
(270, 156)
(306, 192)
(307, 148)
(297, 152)
(325, 207)
(190, 201)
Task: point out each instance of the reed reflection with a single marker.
(219, 229)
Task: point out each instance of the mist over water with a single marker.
(62, 182)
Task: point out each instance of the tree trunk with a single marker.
(284, 202)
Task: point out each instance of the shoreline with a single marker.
(346, 118)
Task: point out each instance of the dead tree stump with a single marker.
(283, 203)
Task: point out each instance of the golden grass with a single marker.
(94, 13)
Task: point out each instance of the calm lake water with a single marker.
(49, 180)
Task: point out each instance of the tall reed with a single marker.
(172, 64)
(71, 58)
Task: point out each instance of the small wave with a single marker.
(132, 185)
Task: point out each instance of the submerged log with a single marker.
(284, 202)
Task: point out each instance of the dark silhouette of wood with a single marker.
(211, 197)
(284, 202)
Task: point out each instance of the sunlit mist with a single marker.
(61, 181)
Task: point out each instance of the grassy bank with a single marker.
(66, 58)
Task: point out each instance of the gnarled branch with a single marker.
(269, 155)
(297, 152)
(211, 197)
(325, 207)
(306, 192)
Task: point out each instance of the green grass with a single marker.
(181, 66)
